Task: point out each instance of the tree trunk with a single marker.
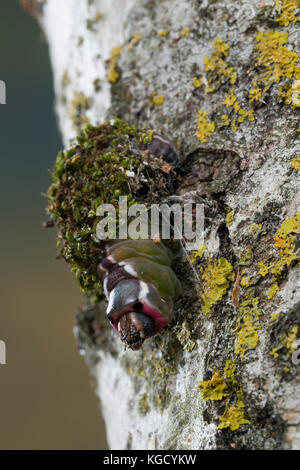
(222, 80)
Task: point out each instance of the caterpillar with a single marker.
(136, 276)
(141, 288)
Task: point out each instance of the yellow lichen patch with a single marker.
(255, 93)
(286, 241)
(136, 37)
(143, 405)
(225, 120)
(156, 100)
(287, 9)
(255, 228)
(230, 98)
(185, 32)
(245, 281)
(275, 316)
(273, 290)
(214, 389)
(215, 63)
(278, 61)
(295, 163)
(163, 33)
(289, 342)
(295, 93)
(234, 416)
(234, 125)
(231, 101)
(229, 372)
(112, 74)
(243, 114)
(216, 278)
(290, 93)
(198, 254)
(197, 82)
(229, 216)
(289, 226)
(204, 127)
(263, 268)
(247, 325)
(226, 386)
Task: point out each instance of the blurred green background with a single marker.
(46, 401)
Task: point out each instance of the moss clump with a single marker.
(216, 278)
(104, 163)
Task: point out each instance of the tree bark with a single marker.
(157, 62)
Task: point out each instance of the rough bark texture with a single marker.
(247, 303)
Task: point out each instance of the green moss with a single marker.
(93, 172)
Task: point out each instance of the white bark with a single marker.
(265, 182)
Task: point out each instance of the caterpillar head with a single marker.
(134, 328)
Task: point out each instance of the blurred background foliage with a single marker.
(46, 401)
